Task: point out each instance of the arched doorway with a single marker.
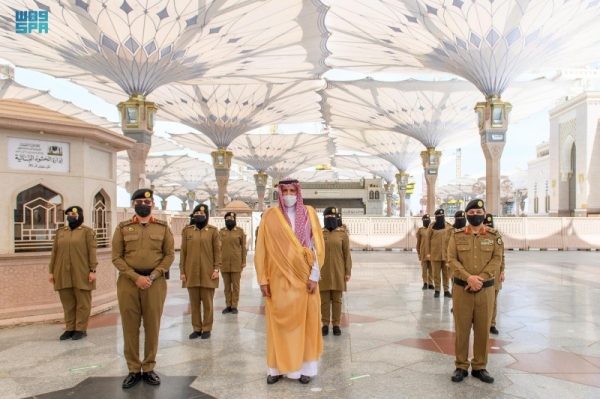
(101, 218)
(572, 181)
(37, 216)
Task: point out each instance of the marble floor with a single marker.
(396, 342)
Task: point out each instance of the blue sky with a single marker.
(517, 153)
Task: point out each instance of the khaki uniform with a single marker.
(200, 256)
(337, 265)
(148, 249)
(73, 256)
(233, 243)
(436, 245)
(497, 288)
(426, 269)
(479, 255)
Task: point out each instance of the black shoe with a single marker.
(447, 294)
(234, 311)
(431, 286)
(226, 310)
(272, 379)
(205, 335)
(424, 286)
(66, 335)
(151, 378)
(79, 335)
(325, 330)
(195, 334)
(459, 375)
(337, 331)
(131, 380)
(483, 375)
(494, 330)
(304, 379)
(437, 294)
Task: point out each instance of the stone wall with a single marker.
(26, 296)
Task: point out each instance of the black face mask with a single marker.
(331, 223)
(460, 223)
(72, 219)
(142, 210)
(199, 219)
(440, 223)
(426, 222)
(475, 220)
(230, 224)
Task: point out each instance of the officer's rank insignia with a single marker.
(206, 229)
(130, 229)
(487, 242)
(499, 241)
(147, 194)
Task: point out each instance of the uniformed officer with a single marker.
(436, 246)
(474, 254)
(233, 243)
(489, 222)
(199, 264)
(143, 251)
(73, 272)
(426, 270)
(335, 273)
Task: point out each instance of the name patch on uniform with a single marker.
(487, 241)
(190, 237)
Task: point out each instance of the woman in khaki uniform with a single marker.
(436, 246)
(233, 244)
(426, 270)
(73, 272)
(335, 272)
(489, 222)
(199, 264)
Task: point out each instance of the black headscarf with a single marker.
(460, 220)
(440, 220)
(203, 208)
(79, 221)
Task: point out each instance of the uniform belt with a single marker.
(463, 283)
(145, 272)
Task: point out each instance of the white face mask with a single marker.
(289, 200)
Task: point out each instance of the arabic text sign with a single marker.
(38, 155)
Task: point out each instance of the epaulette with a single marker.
(458, 230)
(160, 221)
(492, 230)
(125, 223)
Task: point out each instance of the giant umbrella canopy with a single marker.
(489, 43)
(399, 150)
(121, 49)
(224, 112)
(436, 113)
(374, 165)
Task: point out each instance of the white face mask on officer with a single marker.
(290, 200)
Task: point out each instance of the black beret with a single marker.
(439, 212)
(475, 204)
(426, 216)
(339, 215)
(200, 207)
(142, 193)
(459, 214)
(489, 220)
(74, 209)
(229, 214)
(330, 210)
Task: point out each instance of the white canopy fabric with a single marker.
(372, 164)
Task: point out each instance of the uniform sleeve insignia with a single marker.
(499, 240)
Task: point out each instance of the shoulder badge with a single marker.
(499, 240)
(125, 223)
